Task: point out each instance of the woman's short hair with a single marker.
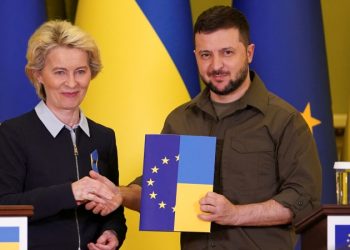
(53, 34)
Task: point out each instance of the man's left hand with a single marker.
(217, 209)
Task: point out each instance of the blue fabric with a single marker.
(173, 23)
(291, 59)
(18, 20)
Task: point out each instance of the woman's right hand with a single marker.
(88, 189)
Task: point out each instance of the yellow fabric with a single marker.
(187, 207)
(346, 144)
(9, 245)
(138, 86)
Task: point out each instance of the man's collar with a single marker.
(257, 94)
(53, 124)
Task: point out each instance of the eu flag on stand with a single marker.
(178, 170)
(290, 57)
(342, 237)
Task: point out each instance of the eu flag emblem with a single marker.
(342, 237)
(178, 170)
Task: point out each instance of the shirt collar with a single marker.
(53, 124)
(257, 95)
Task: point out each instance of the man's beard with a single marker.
(232, 85)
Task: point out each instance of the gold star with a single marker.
(155, 169)
(162, 204)
(165, 160)
(153, 195)
(311, 121)
(150, 182)
(177, 157)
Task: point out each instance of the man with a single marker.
(267, 172)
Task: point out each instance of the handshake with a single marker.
(97, 193)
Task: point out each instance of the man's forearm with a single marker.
(131, 196)
(266, 213)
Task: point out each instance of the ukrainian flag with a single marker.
(346, 142)
(177, 172)
(9, 238)
(290, 57)
(149, 69)
(18, 20)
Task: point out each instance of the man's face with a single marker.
(223, 60)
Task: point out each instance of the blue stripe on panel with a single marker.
(9, 234)
(197, 159)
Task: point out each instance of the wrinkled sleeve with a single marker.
(299, 169)
(137, 181)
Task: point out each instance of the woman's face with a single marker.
(66, 76)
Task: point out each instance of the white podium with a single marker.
(14, 226)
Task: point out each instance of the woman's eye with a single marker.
(59, 72)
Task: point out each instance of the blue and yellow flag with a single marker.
(9, 238)
(18, 20)
(178, 170)
(346, 142)
(290, 57)
(141, 81)
(173, 23)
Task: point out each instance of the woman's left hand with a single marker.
(107, 241)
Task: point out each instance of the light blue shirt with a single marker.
(54, 125)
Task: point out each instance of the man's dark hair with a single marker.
(223, 17)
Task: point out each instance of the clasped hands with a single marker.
(101, 196)
(97, 193)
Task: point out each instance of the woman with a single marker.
(46, 155)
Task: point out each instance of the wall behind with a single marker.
(337, 35)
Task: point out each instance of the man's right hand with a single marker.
(108, 205)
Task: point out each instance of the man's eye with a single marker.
(205, 55)
(228, 52)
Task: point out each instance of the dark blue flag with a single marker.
(342, 237)
(290, 57)
(18, 20)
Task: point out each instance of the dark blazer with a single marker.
(38, 169)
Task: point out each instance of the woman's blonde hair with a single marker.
(53, 34)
